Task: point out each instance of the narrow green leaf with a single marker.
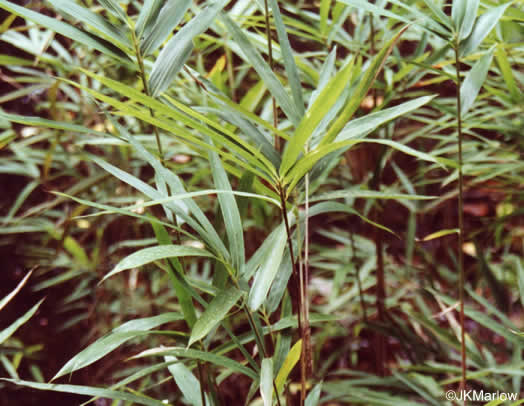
(482, 28)
(208, 234)
(370, 7)
(289, 363)
(470, 15)
(310, 159)
(362, 89)
(325, 5)
(68, 31)
(263, 69)
(187, 116)
(88, 391)
(117, 337)
(507, 73)
(520, 278)
(288, 57)
(204, 226)
(230, 213)
(439, 234)
(362, 126)
(415, 17)
(174, 55)
(458, 12)
(216, 359)
(441, 16)
(114, 8)
(177, 277)
(268, 269)
(185, 380)
(266, 381)
(151, 254)
(313, 397)
(168, 18)
(42, 122)
(314, 115)
(147, 16)
(474, 81)
(5, 300)
(421, 20)
(93, 20)
(215, 312)
(10, 330)
(330, 207)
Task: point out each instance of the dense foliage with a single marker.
(262, 202)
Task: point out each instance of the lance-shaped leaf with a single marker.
(114, 8)
(204, 226)
(176, 274)
(289, 363)
(482, 28)
(415, 17)
(216, 359)
(93, 20)
(215, 312)
(314, 115)
(151, 254)
(266, 381)
(68, 31)
(362, 126)
(88, 391)
(10, 330)
(439, 14)
(470, 16)
(365, 83)
(313, 397)
(287, 56)
(458, 12)
(230, 213)
(168, 18)
(507, 73)
(111, 341)
(310, 159)
(206, 231)
(11, 295)
(185, 380)
(177, 50)
(148, 14)
(263, 70)
(268, 270)
(474, 80)
(520, 277)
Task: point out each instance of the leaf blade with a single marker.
(215, 312)
(475, 78)
(113, 340)
(151, 254)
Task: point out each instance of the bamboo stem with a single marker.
(142, 70)
(278, 147)
(297, 299)
(461, 223)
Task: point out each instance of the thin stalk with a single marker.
(230, 73)
(381, 283)
(271, 65)
(142, 70)
(461, 223)
(373, 51)
(308, 367)
(357, 271)
(297, 298)
(381, 296)
(259, 338)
